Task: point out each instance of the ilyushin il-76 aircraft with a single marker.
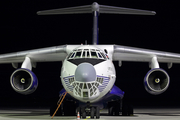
(88, 73)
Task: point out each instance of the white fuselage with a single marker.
(87, 73)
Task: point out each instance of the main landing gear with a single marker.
(116, 108)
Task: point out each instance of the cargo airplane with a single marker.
(88, 73)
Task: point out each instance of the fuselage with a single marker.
(87, 73)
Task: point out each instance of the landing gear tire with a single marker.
(130, 110)
(83, 113)
(127, 110)
(92, 112)
(110, 111)
(114, 108)
(97, 113)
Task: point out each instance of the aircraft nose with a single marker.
(85, 72)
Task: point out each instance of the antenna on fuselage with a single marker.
(96, 9)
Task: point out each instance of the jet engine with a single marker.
(24, 81)
(156, 81)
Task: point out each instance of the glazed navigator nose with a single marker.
(85, 72)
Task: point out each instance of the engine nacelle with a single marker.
(24, 81)
(156, 81)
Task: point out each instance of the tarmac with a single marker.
(43, 114)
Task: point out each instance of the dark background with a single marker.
(22, 29)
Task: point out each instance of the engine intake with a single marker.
(156, 81)
(24, 81)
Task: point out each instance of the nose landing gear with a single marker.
(92, 111)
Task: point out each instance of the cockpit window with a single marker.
(99, 54)
(103, 56)
(93, 55)
(84, 54)
(78, 54)
(87, 53)
(72, 55)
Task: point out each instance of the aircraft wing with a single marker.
(124, 53)
(56, 53)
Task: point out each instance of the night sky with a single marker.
(22, 29)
